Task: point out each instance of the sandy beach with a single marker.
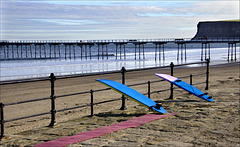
(198, 122)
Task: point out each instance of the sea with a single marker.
(33, 65)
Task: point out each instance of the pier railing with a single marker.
(189, 40)
(91, 92)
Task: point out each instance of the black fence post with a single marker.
(171, 88)
(207, 74)
(53, 110)
(191, 79)
(123, 71)
(91, 91)
(149, 89)
(2, 121)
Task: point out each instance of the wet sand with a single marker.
(198, 123)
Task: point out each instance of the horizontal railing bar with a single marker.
(98, 90)
(145, 93)
(199, 74)
(107, 101)
(24, 81)
(183, 76)
(199, 83)
(157, 81)
(131, 85)
(72, 94)
(73, 108)
(87, 105)
(27, 101)
(159, 91)
(35, 115)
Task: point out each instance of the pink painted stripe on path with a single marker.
(133, 122)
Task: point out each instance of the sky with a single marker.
(109, 19)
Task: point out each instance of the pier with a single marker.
(52, 49)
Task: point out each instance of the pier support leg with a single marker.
(178, 53)
(7, 51)
(40, 50)
(139, 51)
(17, 51)
(124, 47)
(202, 53)
(181, 52)
(26, 51)
(90, 52)
(65, 51)
(116, 51)
(120, 51)
(98, 51)
(59, 51)
(21, 51)
(231, 52)
(205, 51)
(35, 47)
(86, 52)
(209, 53)
(12, 52)
(160, 47)
(185, 52)
(155, 52)
(143, 52)
(163, 52)
(70, 52)
(50, 46)
(135, 51)
(44, 47)
(102, 51)
(82, 52)
(74, 51)
(4, 51)
(107, 51)
(228, 51)
(235, 52)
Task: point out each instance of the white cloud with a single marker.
(67, 22)
(105, 19)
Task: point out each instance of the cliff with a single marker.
(218, 29)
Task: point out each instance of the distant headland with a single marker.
(218, 29)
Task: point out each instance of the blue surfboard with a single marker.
(134, 95)
(185, 86)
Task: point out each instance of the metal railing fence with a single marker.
(123, 72)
